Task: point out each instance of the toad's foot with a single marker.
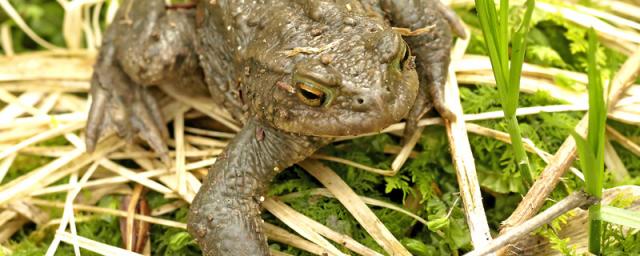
(129, 108)
(146, 45)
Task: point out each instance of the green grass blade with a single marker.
(518, 149)
(591, 150)
(595, 229)
(595, 93)
(503, 39)
(488, 21)
(620, 216)
(519, 44)
(496, 32)
(597, 118)
(587, 161)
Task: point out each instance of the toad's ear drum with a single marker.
(309, 95)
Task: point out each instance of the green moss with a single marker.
(43, 16)
(104, 228)
(23, 164)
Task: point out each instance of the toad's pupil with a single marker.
(309, 95)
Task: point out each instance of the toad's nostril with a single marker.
(365, 103)
(360, 104)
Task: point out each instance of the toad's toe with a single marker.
(437, 96)
(128, 108)
(146, 120)
(96, 120)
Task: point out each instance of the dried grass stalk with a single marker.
(353, 164)
(15, 109)
(131, 175)
(614, 164)
(573, 231)
(463, 160)
(11, 228)
(624, 141)
(9, 10)
(367, 200)
(5, 165)
(89, 208)
(408, 146)
(277, 206)
(289, 217)
(281, 235)
(29, 211)
(57, 131)
(92, 245)
(178, 127)
(355, 206)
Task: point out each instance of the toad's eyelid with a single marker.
(327, 79)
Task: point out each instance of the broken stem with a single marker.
(577, 199)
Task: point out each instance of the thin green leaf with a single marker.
(591, 150)
(503, 40)
(597, 119)
(438, 223)
(595, 229)
(620, 216)
(519, 44)
(587, 162)
(488, 22)
(496, 33)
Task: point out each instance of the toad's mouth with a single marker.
(345, 124)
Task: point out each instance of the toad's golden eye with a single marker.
(310, 95)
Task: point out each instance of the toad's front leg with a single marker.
(432, 50)
(225, 215)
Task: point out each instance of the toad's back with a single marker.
(263, 40)
(281, 58)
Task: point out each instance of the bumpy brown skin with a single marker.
(297, 73)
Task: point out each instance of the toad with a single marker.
(296, 74)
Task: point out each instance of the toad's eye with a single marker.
(403, 56)
(310, 95)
